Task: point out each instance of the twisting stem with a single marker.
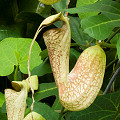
(28, 66)
(108, 40)
(68, 3)
(111, 81)
(61, 113)
(67, 7)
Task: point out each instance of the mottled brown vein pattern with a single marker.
(16, 99)
(85, 80)
(58, 50)
(79, 89)
(15, 104)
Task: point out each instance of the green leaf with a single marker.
(105, 107)
(118, 48)
(75, 53)
(34, 7)
(3, 108)
(3, 116)
(32, 20)
(47, 112)
(42, 69)
(76, 31)
(100, 27)
(44, 54)
(106, 6)
(57, 106)
(2, 99)
(14, 30)
(46, 90)
(84, 3)
(60, 5)
(43, 109)
(115, 38)
(14, 51)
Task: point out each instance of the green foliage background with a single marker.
(90, 21)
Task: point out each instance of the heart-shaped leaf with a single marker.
(14, 52)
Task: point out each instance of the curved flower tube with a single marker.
(16, 99)
(79, 88)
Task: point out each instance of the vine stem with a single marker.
(88, 45)
(107, 45)
(67, 7)
(16, 73)
(108, 40)
(61, 113)
(28, 66)
(112, 80)
(75, 44)
(115, 60)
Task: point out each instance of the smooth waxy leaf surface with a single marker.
(76, 31)
(46, 90)
(14, 52)
(107, 6)
(100, 26)
(60, 5)
(42, 69)
(84, 3)
(104, 108)
(44, 110)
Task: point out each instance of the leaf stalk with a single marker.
(16, 73)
